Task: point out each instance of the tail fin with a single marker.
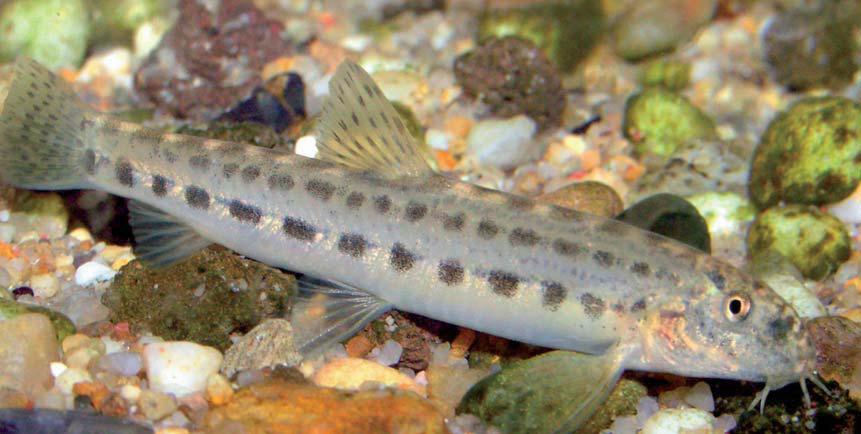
(42, 128)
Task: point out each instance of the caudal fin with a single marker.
(42, 132)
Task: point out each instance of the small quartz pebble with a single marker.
(45, 285)
(678, 421)
(92, 272)
(502, 143)
(351, 373)
(389, 354)
(123, 363)
(700, 396)
(180, 367)
(156, 405)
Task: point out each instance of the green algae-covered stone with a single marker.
(621, 402)
(815, 242)
(724, 211)
(116, 20)
(203, 299)
(53, 32)
(669, 74)
(566, 31)
(659, 122)
(809, 154)
(62, 324)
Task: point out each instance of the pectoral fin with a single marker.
(555, 392)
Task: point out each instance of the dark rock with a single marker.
(196, 71)
(43, 420)
(279, 104)
(203, 299)
(838, 351)
(565, 30)
(671, 216)
(513, 77)
(810, 47)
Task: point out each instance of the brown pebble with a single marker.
(838, 349)
(359, 346)
(589, 196)
(460, 345)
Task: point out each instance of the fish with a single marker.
(371, 226)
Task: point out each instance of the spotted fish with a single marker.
(372, 227)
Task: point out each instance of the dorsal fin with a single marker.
(360, 128)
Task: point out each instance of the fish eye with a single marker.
(736, 306)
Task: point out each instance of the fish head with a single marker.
(729, 326)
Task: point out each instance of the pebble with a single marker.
(351, 374)
(700, 396)
(45, 285)
(156, 405)
(502, 143)
(125, 363)
(130, 392)
(27, 367)
(180, 367)
(678, 421)
(69, 377)
(92, 272)
(388, 354)
(218, 389)
(268, 344)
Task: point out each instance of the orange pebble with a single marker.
(458, 126)
(445, 160)
(277, 66)
(460, 345)
(590, 159)
(7, 251)
(358, 346)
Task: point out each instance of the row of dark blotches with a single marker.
(449, 271)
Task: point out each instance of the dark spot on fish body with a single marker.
(170, 156)
(553, 294)
(352, 244)
(355, 200)
(280, 182)
(717, 278)
(299, 229)
(593, 306)
(200, 162)
(618, 308)
(487, 229)
(382, 204)
(503, 282)
(159, 185)
(320, 189)
(415, 211)
(663, 274)
(641, 269)
(124, 173)
(780, 327)
(568, 248)
(250, 173)
(244, 212)
(90, 161)
(603, 258)
(230, 169)
(639, 305)
(450, 272)
(402, 260)
(520, 203)
(196, 197)
(523, 237)
(454, 222)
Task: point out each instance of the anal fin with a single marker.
(161, 239)
(555, 392)
(328, 312)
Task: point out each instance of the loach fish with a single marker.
(372, 227)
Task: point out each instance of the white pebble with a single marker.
(437, 139)
(57, 368)
(45, 285)
(502, 143)
(700, 396)
(92, 272)
(69, 378)
(679, 420)
(130, 392)
(180, 368)
(4, 216)
(625, 425)
(646, 407)
(7, 232)
(725, 423)
(390, 353)
(121, 363)
(81, 234)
